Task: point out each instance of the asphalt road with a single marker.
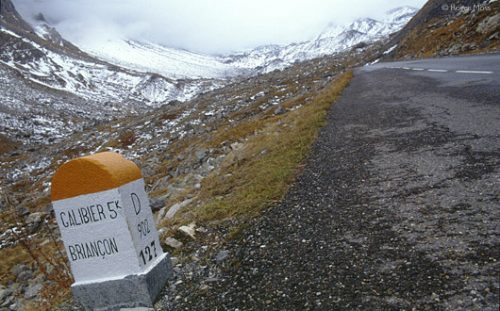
(398, 206)
(483, 64)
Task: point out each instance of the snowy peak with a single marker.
(393, 21)
(402, 13)
(169, 62)
(333, 39)
(366, 25)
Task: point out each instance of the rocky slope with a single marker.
(444, 27)
(50, 88)
(197, 155)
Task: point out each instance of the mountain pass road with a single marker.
(398, 206)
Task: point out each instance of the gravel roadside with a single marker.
(398, 207)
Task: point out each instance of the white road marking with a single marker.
(474, 71)
(437, 70)
(444, 70)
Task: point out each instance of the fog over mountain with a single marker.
(201, 25)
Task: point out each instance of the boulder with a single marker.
(280, 110)
(32, 290)
(173, 243)
(188, 231)
(200, 155)
(34, 221)
(17, 269)
(24, 276)
(221, 256)
(157, 204)
(169, 212)
(488, 24)
(4, 293)
(22, 211)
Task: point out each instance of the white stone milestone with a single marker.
(109, 234)
(108, 231)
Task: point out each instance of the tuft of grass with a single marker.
(11, 256)
(6, 145)
(258, 174)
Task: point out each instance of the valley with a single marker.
(224, 141)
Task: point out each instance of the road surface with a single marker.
(398, 206)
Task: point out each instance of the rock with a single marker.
(169, 213)
(360, 45)
(279, 110)
(17, 269)
(9, 300)
(200, 154)
(489, 24)
(188, 231)
(24, 276)
(137, 309)
(174, 173)
(161, 231)
(162, 183)
(173, 243)
(236, 146)
(34, 220)
(221, 256)
(22, 211)
(48, 208)
(16, 288)
(174, 261)
(157, 204)
(4, 293)
(32, 290)
(49, 268)
(495, 36)
(455, 48)
(206, 168)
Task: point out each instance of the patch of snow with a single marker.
(389, 50)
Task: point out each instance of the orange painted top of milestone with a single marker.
(94, 173)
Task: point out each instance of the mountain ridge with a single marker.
(182, 64)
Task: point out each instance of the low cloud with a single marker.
(206, 26)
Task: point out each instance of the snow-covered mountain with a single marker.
(49, 87)
(42, 56)
(181, 64)
(334, 38)
(173, 63)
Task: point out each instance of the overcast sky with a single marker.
(207, 26)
